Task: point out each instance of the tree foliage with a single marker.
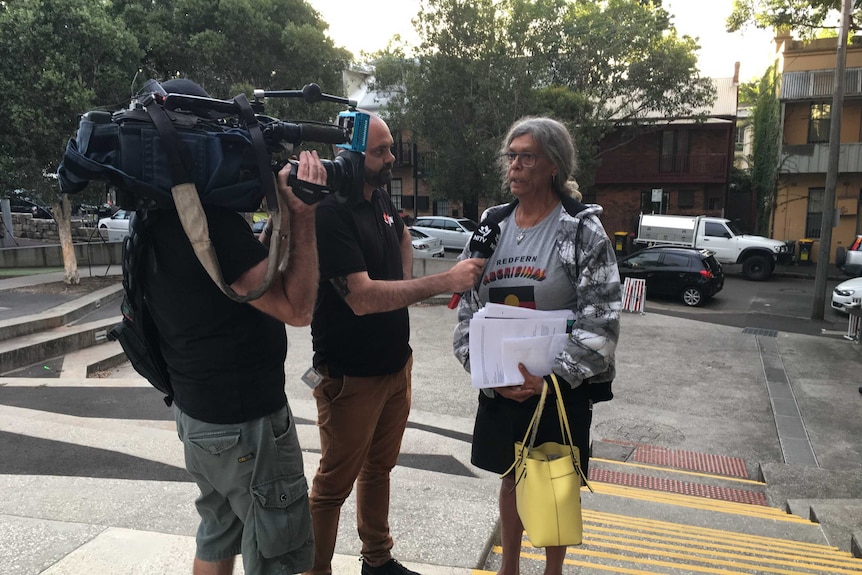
(804, 18)
(481, 65)
(765, 152)
(60, 58)
(57, 57)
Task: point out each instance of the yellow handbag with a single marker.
(548, 482)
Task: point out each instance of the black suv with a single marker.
(691, 274)
(20, 204)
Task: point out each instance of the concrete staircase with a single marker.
(659, 511)
(654, 510)
(63, 331)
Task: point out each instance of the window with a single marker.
(685, 199)
(715, 230)
(675, 260)
(648, 259)
(815, 212)
(819, 123)
(402, 150)
(441, 207)
(395, 193)
(740, 137)
(713, 203)
(674, 151)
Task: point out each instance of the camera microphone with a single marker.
(324, 133)
(296, 133)
(482, 245)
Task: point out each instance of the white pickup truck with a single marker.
(756, 254)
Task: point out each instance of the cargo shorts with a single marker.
(253, 492)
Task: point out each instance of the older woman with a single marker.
(548, 226)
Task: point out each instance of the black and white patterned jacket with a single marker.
(588, 257)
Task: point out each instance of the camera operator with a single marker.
(361, 336)
(226, 363)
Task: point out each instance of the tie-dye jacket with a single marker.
(589, 353)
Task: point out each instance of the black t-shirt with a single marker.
(226, 359)
(355, 237)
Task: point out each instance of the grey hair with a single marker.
(556, 144)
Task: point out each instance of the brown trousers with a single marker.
(361, 422)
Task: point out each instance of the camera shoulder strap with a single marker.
(192, 215)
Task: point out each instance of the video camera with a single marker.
(227, 148)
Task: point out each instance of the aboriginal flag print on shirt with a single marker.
(518, 296)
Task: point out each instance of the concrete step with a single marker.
(37, 347)
(91, 360)
(60, 315)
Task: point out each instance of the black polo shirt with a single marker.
(355, 237)
(226, 359)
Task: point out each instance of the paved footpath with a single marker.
(93, 478)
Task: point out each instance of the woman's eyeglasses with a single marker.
(528, 159)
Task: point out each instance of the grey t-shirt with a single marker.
(528, 272)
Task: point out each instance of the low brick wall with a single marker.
(44, 230)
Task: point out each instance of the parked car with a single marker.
(455, 232)
(424, 246)
(116, 227)
(844, 293)
(690, 274)
(850, 259)
(104, 210)
(20, 204)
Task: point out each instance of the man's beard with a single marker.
(379, 178)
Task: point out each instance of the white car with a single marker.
(845, 292)
(424, 246)
(455, 232)
(115, 228)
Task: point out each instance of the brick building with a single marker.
(675, 166)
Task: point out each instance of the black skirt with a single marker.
(500, 422)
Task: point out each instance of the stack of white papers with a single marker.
(502, 336)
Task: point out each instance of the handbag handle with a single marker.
(532, 429)
(566, 430)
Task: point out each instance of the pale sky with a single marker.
(369, 24)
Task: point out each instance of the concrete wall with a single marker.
(99, 253)
(425, 267)
(93, 253)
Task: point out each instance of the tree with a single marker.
(765, 151)
(805, 18)
(61, 58)
(481, 65)
(234, 47)
(57, 57)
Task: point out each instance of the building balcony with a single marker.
(819, 84)
(814, 158)
(675, 168)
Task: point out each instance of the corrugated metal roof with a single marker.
(726, 100)
(725, 104)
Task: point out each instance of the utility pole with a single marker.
(832, 167)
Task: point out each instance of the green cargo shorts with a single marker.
(254, 496)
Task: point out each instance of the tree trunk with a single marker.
(63, 218)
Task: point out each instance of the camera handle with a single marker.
(191, 212)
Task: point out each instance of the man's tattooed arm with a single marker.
(340, 285)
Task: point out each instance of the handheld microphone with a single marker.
(482, 245)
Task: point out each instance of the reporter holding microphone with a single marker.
(362, 354)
